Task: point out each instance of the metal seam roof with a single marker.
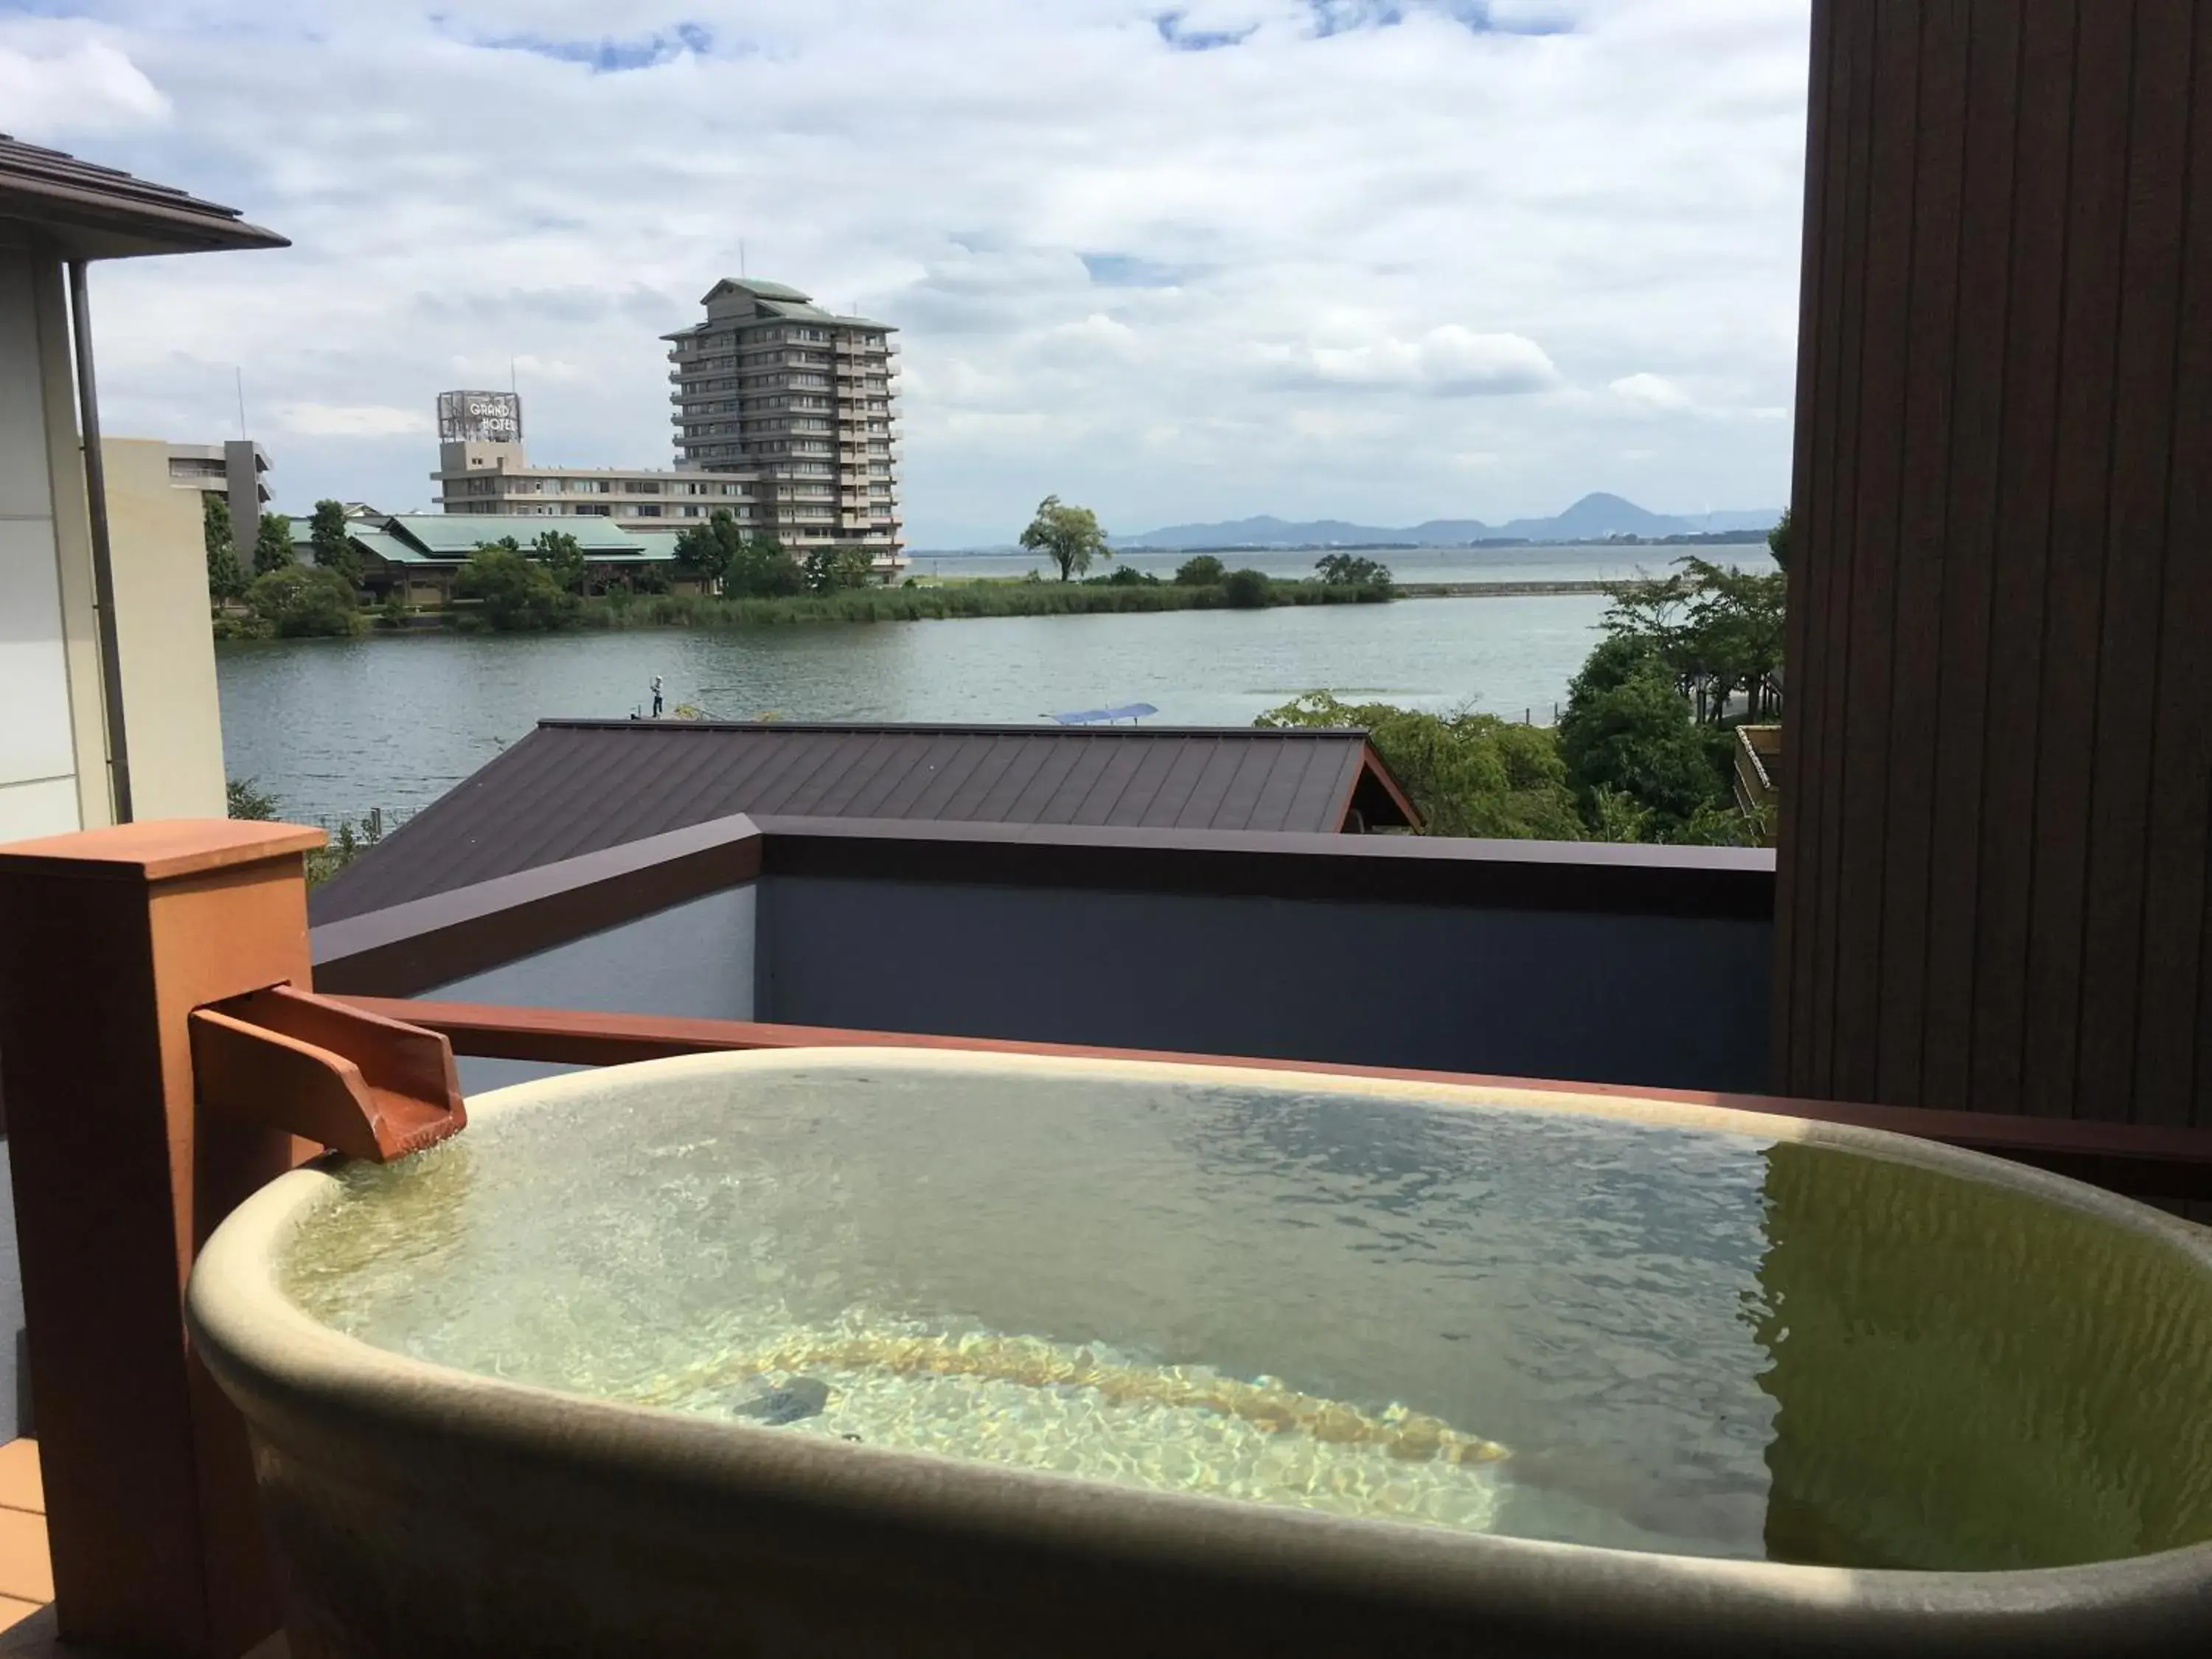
(577, 787)
(123, 213)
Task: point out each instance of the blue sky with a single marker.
(1382, 260)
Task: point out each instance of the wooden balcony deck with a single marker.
(26, 1574)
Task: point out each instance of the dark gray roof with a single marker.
(577, 786)
(93, 212)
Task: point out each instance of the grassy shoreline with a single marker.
(945, 602)
(948, 601)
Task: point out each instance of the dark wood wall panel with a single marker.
(1924, 461)
(1968, 547)
(2082, 464)
(1998, 807)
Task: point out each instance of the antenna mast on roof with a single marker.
(240, 374)
(741, 258)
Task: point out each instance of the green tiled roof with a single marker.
(759, 289)
(390, 548)
(442, 539)
(460, 534)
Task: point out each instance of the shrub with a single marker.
(833, 569)
(1246, 590)
(519, 594)
(246, 801)
(761, 569)
(1465, 773)
(1201, 570)
(297, 601)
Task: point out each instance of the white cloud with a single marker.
(494, 372)
(58, 81)
(1088, 235)
(350, 420)
(1449, 361)
(1654, 393)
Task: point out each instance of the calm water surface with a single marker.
(1288, 1299)
(336, 727)
(1471, 1315)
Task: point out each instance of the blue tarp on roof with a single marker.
(1134, 711)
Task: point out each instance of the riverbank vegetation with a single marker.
(1101, 596)
(1645, 749)
(349, 838)
(732, 578)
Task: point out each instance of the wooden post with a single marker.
(108, 940)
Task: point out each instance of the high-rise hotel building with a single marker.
(801, 402)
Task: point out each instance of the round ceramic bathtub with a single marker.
(873, 1353)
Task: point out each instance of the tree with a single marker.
(1717, 629)
(562, 556)
(1346, 570)
(829, 569)
(1632, 736)
(518, 594)
(734, 563)
(704, 552)
(1732, 637)
(763, 570)
(225, 580)
(1200, 570)
(1777, 540)
(272, 545)
(333, 548)
(297, 601)
(1467, 774)
(1246, 590)
(1068, 535)
(214, 522)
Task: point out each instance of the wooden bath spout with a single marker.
(285, 1058)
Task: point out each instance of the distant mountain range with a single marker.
(1592, 518)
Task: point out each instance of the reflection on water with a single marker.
(1684, 1340)
(1969, 1379)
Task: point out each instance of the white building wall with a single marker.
(38, 784)
(172, 716)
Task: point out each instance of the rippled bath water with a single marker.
(1489, 1318)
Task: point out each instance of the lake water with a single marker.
(1416, 564)
(333, 728)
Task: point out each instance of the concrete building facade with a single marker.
(164, 647)
(802, 401)
(234, 470)
(496, 480)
